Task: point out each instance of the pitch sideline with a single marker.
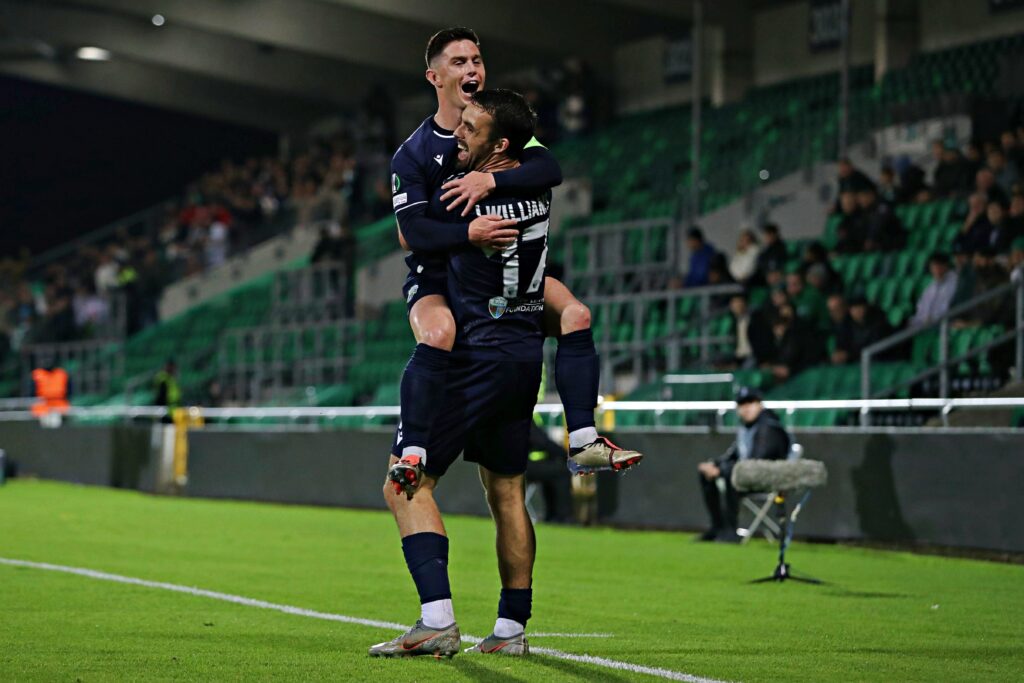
(374, 623)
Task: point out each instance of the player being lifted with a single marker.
(485, 412)
(456, 70)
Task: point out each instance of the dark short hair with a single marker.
(440, 40)
(940, 257)
(513, 117)
(770, 229)
(695, 233)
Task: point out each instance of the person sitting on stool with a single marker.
(761, 435)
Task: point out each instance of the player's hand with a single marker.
(470, 188)
(492, 231)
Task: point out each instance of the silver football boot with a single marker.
(422, 640)
(601, 455)
(516, 645)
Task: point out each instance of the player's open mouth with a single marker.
(470, 87)
(463, 150)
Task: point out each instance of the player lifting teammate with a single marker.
(497, 303)
(456, 70)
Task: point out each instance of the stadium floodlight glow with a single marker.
(763, 174)
(158, 20)
(93, 54)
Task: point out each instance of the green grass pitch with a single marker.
(667, 602)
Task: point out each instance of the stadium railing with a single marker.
(924, 337)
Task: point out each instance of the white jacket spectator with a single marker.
(935, 299)
(743, 264)
(106, 274)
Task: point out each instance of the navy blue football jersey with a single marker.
(497, 296)
(418, 168)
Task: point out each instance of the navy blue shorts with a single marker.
(423, 280)
(486, 416)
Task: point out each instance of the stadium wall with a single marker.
(956, 488)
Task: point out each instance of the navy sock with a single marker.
(421, 392)
(426, 555)
(578, 378)
(515, 604)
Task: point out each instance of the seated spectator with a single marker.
(808, 302)
(105, 277)
(839, 319)
(1013, 150)
(912, 186)
(888, 188)
(743, 263)
(815, 255)
(773, 255)
(866, 325)
(948, 178)
(883, 230)
(797, 344)
(851, 233)
(962, 258)
(760, 436)
(701, 254)
(985, 183)
(1006, 173)
(935, 299)
(974, 233)
(851, 178)
(988, 275)
(1016, 254)
(1004, 230)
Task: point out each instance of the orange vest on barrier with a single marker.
(52, 390)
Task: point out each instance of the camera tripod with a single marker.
(788, 522)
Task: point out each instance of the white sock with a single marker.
(416, 450)
(581, 437)
(437, 614)
(506, 628)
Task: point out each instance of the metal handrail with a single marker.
(942, 367)
(297, 412)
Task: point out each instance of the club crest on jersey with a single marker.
(395, 183)
(497, 306)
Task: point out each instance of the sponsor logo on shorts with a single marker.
(497, 306)
(412, 293)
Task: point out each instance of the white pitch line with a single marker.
(374, 623)
(544, 634)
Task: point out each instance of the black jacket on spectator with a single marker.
(770, 442)
(854, 338)
(772, 257)
(882, 229)
(799, 347)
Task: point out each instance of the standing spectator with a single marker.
(753, 335)
(701, 255)
(839, 318)
(743, 264)
(168, 391)
(773, 255)
(972, 163)
(962, 258)
(105, 277)
(1012, 149)
(935, 299)
(760, 436)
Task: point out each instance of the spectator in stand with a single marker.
(936, 298)
(753, 334)
(988, 274)
(1012, 149)
(701, 255)
(972, 163)
(773, 256)
(827, 279)
(962, 258)
(1006, 173)
(985, 183)
(851, 232)
(888, 189)
(866, 325)
(1004, 230)
(797, 346)
(743, 264)
(1016, 254)
(839, 318)
(948, 178)
(851, 178)
(974, 233)
(883, 230)
(105, 277)
(808, 302)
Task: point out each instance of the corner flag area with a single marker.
(99, 584)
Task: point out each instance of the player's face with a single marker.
(458, 72)
(473, 137)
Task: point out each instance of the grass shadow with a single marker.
(565, 667)
(478, 672)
